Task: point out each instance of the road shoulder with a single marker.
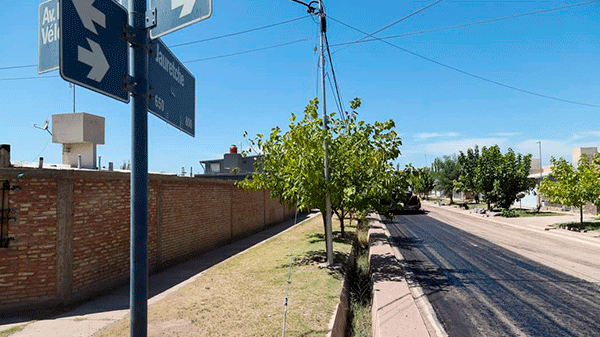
(398, 308)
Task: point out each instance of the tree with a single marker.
(447, 171)
(500, 178)
(486, 173)
(421, 180)
(573, 187)
(361, 169)
(512, 178)
(360, 155)
(467, 180)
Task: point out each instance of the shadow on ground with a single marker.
(429, 276)
(348, 237)
(117, 298)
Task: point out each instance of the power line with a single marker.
(197, 41)
(465, 72)
(244, 52)
(17, 67)
(337, 89)
(238, 33)
(27, 78)
(337, 104)
(191, 61)
(441, 29)
(393, 23)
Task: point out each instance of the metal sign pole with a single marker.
(138, 286)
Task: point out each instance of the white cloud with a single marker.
(585, 134)
(504, 134)
(427, 135)
(453, 147)
(550, 148)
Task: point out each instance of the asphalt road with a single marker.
(479, 288)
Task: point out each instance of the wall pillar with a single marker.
(64, 239)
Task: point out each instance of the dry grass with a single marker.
(15, 329)
(244, 296)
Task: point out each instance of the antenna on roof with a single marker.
(44, 127)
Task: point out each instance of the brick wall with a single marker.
(100, 232)
(72, 229)
(28, 265)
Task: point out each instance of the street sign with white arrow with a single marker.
(172, 15)
(93, 50)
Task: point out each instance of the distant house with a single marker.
(233, 165)
(530, 200)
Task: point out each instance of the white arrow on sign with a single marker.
(94, 59)
(188, 5)
(90, 14)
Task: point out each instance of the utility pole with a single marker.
(328, 227)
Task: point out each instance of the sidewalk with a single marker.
(93, 316)
(399, 308)
(540, 223)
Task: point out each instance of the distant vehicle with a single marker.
(393, 202)
(398, 202)
(412, 203)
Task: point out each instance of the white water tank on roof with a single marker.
(79, 133)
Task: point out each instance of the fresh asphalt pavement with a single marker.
(480, 288)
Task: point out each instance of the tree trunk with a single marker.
(323, 215)
(489, 205)
(341, 216)
(581, 215)
(342, 232)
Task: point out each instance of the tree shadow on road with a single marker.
(417, 272)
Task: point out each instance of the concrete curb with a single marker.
(398, 309)
(338, 323)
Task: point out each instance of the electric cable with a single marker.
(17, 67)
(245, 52)
(191, 61)
(337, 89)
(337, 105)
(468, 73)
(442, 29)
(27, 78)
(393, 23)
(197, 41)
(238, 33)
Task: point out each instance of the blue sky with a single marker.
(437, 110)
